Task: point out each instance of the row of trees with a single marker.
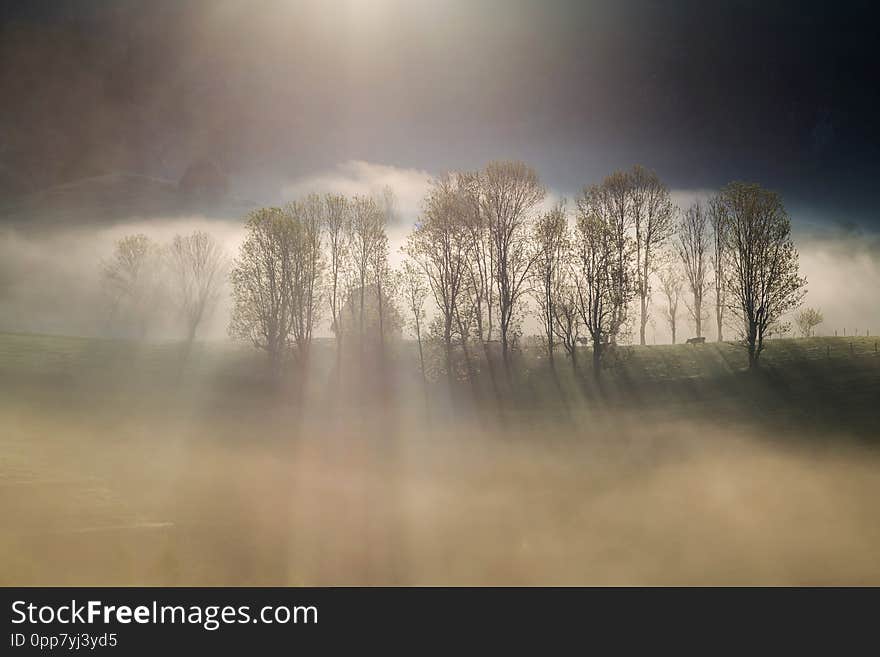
(143, 275)
(473, 247)
(318, 256)
(483, 246)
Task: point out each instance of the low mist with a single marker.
(209, 478)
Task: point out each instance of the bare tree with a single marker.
(263, 309)
(379, 269)
(439, 244)
(672, 284)
(365, 238)
(807, 320)
(337, 228)
(653, 220)
(131, 278)
(511, 190)
(414, 290)
(716, 218)
(481, 286)
(763, 278)
(566, 319)
(465, 324)
(198, 266)
(693, 249)
(305, 270)
(602, 277)
(551, 259)
(481, 255)
(613, 202)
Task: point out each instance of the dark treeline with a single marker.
(485, 255)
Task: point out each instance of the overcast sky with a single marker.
(285, 92)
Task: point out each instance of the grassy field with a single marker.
(145, 463)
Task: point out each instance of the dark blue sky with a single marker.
(785, 94)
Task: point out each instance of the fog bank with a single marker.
(49, 281)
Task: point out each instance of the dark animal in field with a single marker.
(700, 340)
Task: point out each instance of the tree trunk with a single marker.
(339, 354)
(752, 347)
(274, 356)
(504, 354)
(466, 352)
(490, 365)
(718, 319)
(597, 358)
(424, 376)
(447, 344)
(381, 325)
(644, 319)
(421, 353)
(698, 315)
(361, 321)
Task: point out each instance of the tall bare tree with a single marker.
(305, 269)
(716, 218)
(198, 266)
(511, 190)
(693, 249)
(337, 229)
(615, 199)
(763, 278)
(380, 272)
(414, 290)
(131, 279)
(566, 318)
(465, 324)
(603, 278)
(366, 238)
(439, 244)
(551, 260)
(653, 220)
(481, 255)
(672, 284)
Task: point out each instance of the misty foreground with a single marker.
(127, 463)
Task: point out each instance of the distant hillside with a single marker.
(115, 197)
